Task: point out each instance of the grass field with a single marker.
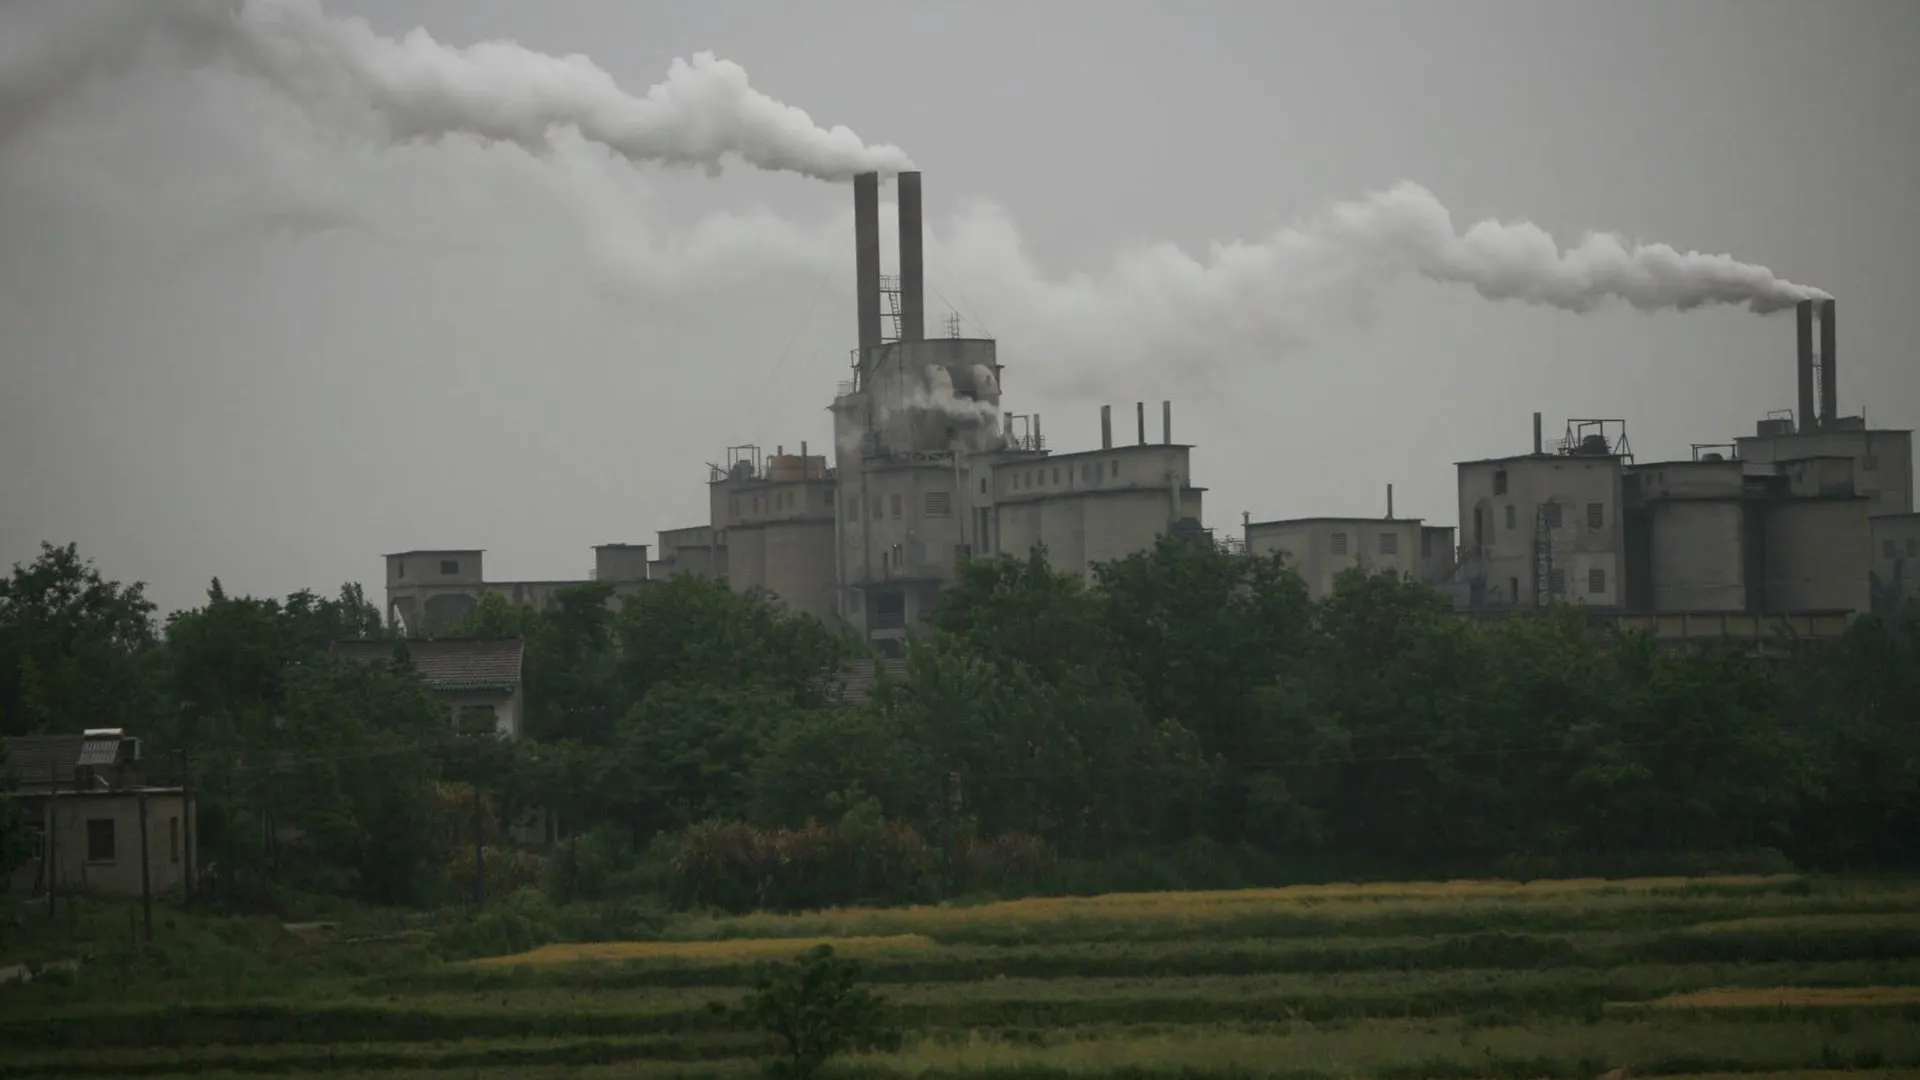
(1772, 977)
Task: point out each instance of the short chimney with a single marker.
(1389, 502)
(1140, 417)
(1166, 423)
(805, 469)
(1536, 433)
(1106, 427)
(1039, 440)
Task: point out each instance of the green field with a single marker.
(1727, 976)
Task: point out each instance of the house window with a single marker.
(1339, 543)
(1557, 583)
(1870, 463)
(1500, 482)
(939, 503)
(1596, 581)
(1596, 515)
(449, 567)
(100, 840)
(1389, 543)
(1511, 519)
(173, 839)
(1551, 511)
(894, 503)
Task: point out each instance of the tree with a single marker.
(75, 648)
(14, 831)
(813, 1007)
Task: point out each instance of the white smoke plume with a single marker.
(414, 87)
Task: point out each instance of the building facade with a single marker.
(96, 827)
(1321, 549)
(430, 591)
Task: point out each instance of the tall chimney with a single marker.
(1140, 416)
(1803, 363)
(1166, 423)
(1389, 502)
(804, 467)
(1106, 427)
(1537, 446)
(866, 259)
(1829, 375)
(913, 299)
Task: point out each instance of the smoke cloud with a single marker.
(414, 87)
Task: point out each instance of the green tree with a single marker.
(75, 648)
(816, 1010)
(14, 831)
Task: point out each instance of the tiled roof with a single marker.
(31, 757)
(858, 678)
(450, 663)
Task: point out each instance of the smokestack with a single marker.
(1829, 375)
(913, 300)
(1803, 362)
(1389, 502)
(804, 467)
(866, 258)
(1106, 427)
(1166, 423)
(1039, 440)
(1537, 446)
(1140, 417)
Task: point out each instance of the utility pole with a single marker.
(479, 852)
(52, 856)
(146, 872)
(190, 820)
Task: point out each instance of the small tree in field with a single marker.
(812, 1005)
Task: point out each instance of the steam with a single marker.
(414, 87)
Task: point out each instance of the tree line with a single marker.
(1189, 710)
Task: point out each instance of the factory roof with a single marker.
(1347, 521)
(1540, 457)
(436, 551)
(448, 663)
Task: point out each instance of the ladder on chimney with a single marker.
(890, 303)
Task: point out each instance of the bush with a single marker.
(813, 1007)
(523, 920)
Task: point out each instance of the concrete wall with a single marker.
(699, 550)
(453, 566)
(1817, 550)
(1502, 549)
(1698, 555)
(65, 820)
(620, 562)
(1437, 552)
(1081, 530)
(1896, 553)
(1320, 549)
(1883, 460)
(794, 560)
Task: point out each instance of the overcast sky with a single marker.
(234, 342)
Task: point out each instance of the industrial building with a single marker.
(1811, 518)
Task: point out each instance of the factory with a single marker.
(1809, 518)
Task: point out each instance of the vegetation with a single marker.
(996, 835)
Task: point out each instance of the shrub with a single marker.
(813, 1007)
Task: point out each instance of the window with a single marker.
(876, 509)
(1389, 543)
(1113, 469)
(1056, 474)
(173, 839)
(1500, 482)
(1551, 511)
(1596, 581)
(449, 566)
(399, 568)
(475, 720)
(894, 503)
(1557, 582)
(1870, 463)
(1511, 522)
(1596, 515)
(1339, 542)
(939, 503)
(983, 485)
(100, 840)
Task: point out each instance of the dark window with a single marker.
(939, 503)
(1511, 521)
(1557, 583)
(100, 839)
(1596, 580)
(1596, 515)
(1056, 475)
(449, 566)
(1339, 542)
(1479, 533)
(399, 568)
(894, 502)
(1551, 511)
(1113, 469)
(983, 485)
(1500, 482)
(876, 510)
(475, 720)
(1513, 588)
(173, 839)
(1389, 543)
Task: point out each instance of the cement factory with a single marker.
(1797, 527)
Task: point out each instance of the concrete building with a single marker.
(95, 826)
(430, 591)
(1319, 549)
(1546, 525)
(928, 470)
(477, 679)
(1896, 560)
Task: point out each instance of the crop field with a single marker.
(1774, 977)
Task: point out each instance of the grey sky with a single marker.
(234, 345)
